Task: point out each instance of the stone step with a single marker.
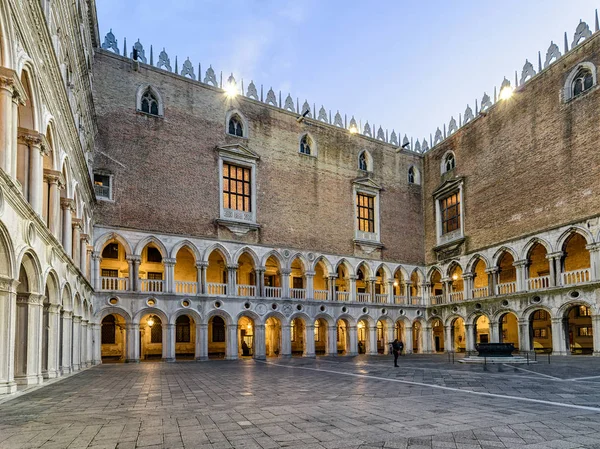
(495, 360)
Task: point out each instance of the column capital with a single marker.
(352, 277)
(309, 273)
(9, 80)
(260, 269)
(32, 139)
(555, 255)
(52, 176)
(76, 319)
(8, 285)
(520, 263)
(133, 258)
(445, 279)
(30, 298)
(76, 223)
(169, 261)
(593, 246)
(492, 270)
(67, 314)
(407, 283)
(96, 255)
(233, 266)
(468, 275)
(67, 203)
(54, 309)
(84, 237)
(201, 264)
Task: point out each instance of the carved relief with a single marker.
(552, 54)
(252, 92)
(452, 126)
(210, 77)
(188, 69)
(110, 42)
(164, 61)
(438, 136)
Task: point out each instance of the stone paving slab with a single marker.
(328, 402)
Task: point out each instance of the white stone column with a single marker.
(97, 344)
(309, 346)
(67, 234)
(76, 342)
(352, 341)
(388, 337)
(332, 340)
(469, 338)
(260, 348)
(132, 348)
(310, 285)
(260, 277)
(8, 310)
(36, 174)
(83, 344)
(232, 342)
(168, 346)
(201, 341)
(285, 283)
(372, 340)
(559, 337)
(390, 291)
(75, 245)
(524, 337)
(134, 273)
(594, 250)
(555, 271)
(201, 276)
(427, 337)
(448, 343)
(96, 270)
(521, 266)
(83, 244)
(7, 91)
(15, 129)
(89, 353)
(426, 293)
(53, 341)
(286, 341)
(352, 279)
(169, 274)
(67, 317)
(232, 281)
(408, 339)
(408, 290)
(596, 333)
(494, 332)
(468, 285)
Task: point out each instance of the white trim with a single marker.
(368, 160)
(443, 162)
(367, 237)
(454, 235)
(416, 175)
(313, 144)
(138, 99)
(568, 87)
(245, 128)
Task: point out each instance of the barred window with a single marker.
(236, 187)
(366, 212)
(450, 208)
(182, 327)
(102, 185)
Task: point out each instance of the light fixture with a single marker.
(506, 92)
(353, 129)
(249, 326)
(454, 277)
(150, 322)
(361, 325)
(396, 284)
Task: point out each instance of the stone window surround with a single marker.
(138, 100)
(368, 160)
(245, 128)
(110, 185)
(373, 190)
(567, 92)
(438, 197)
(443, 162)
(313, 145)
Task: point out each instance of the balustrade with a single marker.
(506, 288)
(297, 293)
(456, 296)
(416, 300)
(576, 276)
(186, 287)
(381, 298)
(114, 284)
(246, 290)
(152, 285)
(321, 295)
(342, 296)
(538, 283)
(214, 288)
(400, 299)
(272, 292)
(437, 299)
(363, 297)
(481, 292)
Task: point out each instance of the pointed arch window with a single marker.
(362, 161)
(182, 328)
(449, 163)
(235, 126)
(149, 101)
(414, 176)
(583, 81)
(306, 145)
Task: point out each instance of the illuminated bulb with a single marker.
(150, 322)
(231, 90)
(353, 130)
(506, 92)
(361, 325)
(249, 326)
(396, 284)
(454, 277)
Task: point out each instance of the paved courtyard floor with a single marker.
(360, 402)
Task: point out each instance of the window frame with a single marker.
(110, 185)
(369, 188)
(245, 128)
(229, 193)
(313, 144)
(568, 91)
(445, 207)
(368, 161)
(142, 89)
(455, 187)
(443, 168)
(369, 220)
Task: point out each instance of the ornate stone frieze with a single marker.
(188, 69)
(252, 92)
(110, 42)
(271, 99)
(164, 61)
(210, 77)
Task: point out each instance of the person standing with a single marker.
(396, 350)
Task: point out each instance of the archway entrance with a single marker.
(112, 338)
(273, 337)
(363, 336)
(216, 338)
(245, 337)
(509, 329)
(320, 336)
(578, 324)
(482, 329)
(151, 338)
(185, 338)
(342, 337)
(298, 336)
(437, 330)
(540, 329)
(458, 335)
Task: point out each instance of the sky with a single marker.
(404, 65)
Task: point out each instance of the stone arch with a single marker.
(28, 76)
(473, 261)
(325, 261)
(345, 263)
(526, 314)
(386, 270)
(500, 252)
(52, 283)
(65, 168)
(250, 252)
(445, 161)
(400, 269)
(154, 240)
(7, 255)
(531, 243)
(326, 317)
(474, 316)
(449, 321)
(141, 91)
(110, 310)
(453, 266)
(242, 118)
(31, 263)
(274, 314)
(67, 297)
(150, 311)
(348, 318)
(564, 308)
(106, 237)
(275, 255)
(248, 314)
(414, 175)
(365, 161)
(568, 86)
(368, 272)
(301, 258)
(495, 316)
(302, 315)
(218, 312)
(185, 311)
(221, 249)
(562, 240)
(6, 38)
(312, 141)
(77, 305)
(368, 318)
(434, 270)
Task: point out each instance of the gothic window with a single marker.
(305, 144)
(450, 209)
(149, 103)
(182, 328)
(153, 255)
(236, 187)
(235, 127)
(583, 81)
(111, 251)
(414, 177)
(218, 330)
(448, 163)
(108, 330)
(365, 212)
(363, 161)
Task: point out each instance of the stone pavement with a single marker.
(360, 402)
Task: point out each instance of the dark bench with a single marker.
(495, 349)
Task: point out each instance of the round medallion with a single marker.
(261, 309)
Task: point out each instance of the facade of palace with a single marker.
(152, 212)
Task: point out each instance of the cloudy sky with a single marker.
(405, 65)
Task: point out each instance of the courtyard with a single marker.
(328, 402)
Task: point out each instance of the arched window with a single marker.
(218, 330)
(182, 327)
(235, 127)
(149, 103)
(306, 144)
(108, 330)
(414, 176)
(448, 163)
(364, 161)
(583, 81)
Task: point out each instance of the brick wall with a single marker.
(166, 175)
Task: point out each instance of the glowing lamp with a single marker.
(361, 325)
(506, 92)
(454, 277)
(150, 322)
(249, 326)
(396, 284)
